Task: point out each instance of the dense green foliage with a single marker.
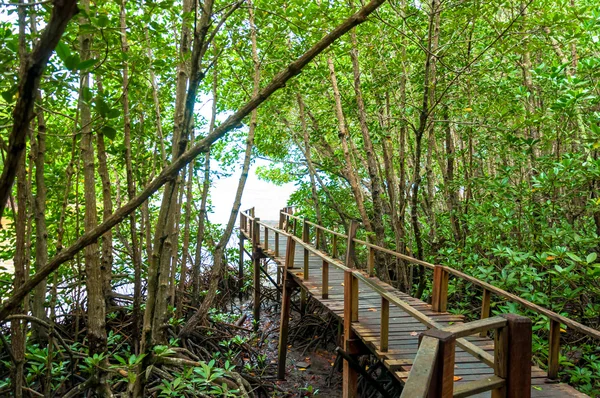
(468, 134)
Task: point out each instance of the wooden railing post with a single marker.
(553, 349)
(319, 238)
(290, 252)
(241, 265)
(256, 272)
(325, 282)
(350, 247)
(276, 244)
(485, 308)
(512, 356)
(281, 219)
(284, 325)
(251, 231)
(371, 262)
(442, 382)
(305, 239)
(266, 245)
(295, 226)
(350, 376)
(385, 325)
(439, 294)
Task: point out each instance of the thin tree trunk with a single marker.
(376, 190)
(343, 132)
(18, 328)
(107, 210)
(423, 122)
(38, 149)
(185, 249)
(136, 255)
(159, 272)
(96, 325)
(311, 169)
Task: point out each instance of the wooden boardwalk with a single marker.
(404, 328)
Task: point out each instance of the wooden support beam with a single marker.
(554, 350)
(266, 244)
(305, 239)
(371, 262)
(350, 376)
(241, 265)
(350, 247)
(334, 248)
(325, 282)
(284, 326)
(439, 294)
(290, 252)
(256, 273)
(512, 356)
(485, 308)
(385, 325)
(318, 234)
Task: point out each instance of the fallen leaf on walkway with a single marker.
(414, 333)
(457, 378)
(342, 283)
(372, 310)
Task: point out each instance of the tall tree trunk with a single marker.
(38, 150)
(95, 277)
(311, 169)
(159, 272)
(185, 249)
(423, 122)
(107, 210)
(18, 328)
(376, 190)
(136, 255)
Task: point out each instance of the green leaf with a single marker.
(72, 61)
(87, 64)
(574, 257)
(113, 113)
(591, 257)
(63, 51)
(109, 132)
(103, 21)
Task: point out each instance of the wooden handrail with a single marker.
(421, 372)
